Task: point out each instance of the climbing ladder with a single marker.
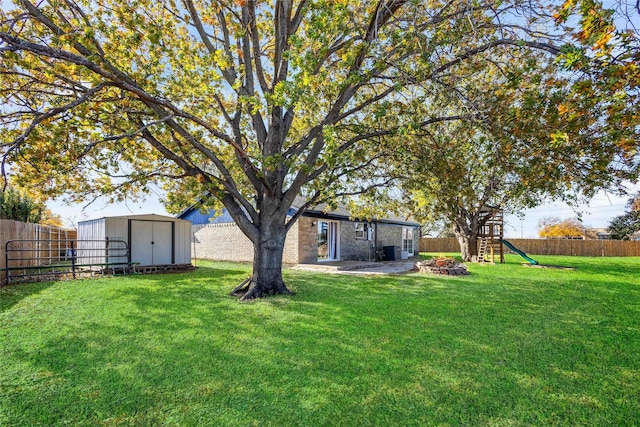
(482, 250)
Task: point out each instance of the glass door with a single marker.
(328, 247)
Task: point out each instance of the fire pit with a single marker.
(442, 265)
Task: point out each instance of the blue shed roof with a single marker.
(196, 217)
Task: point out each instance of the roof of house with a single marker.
(341, 213)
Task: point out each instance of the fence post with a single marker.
(6, 262)
(73, 261)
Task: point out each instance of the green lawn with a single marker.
(506, 346)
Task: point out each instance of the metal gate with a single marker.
(38, 259)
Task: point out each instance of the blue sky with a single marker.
(595, 214)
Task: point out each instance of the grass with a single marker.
(506, 346)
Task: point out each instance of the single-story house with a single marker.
(317, 236)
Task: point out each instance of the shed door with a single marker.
(162, 243)
(151, 242)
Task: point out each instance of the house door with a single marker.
(151, 242)
(328, 242)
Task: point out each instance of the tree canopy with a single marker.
(514, 148)
(606, 57)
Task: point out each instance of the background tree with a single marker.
(249, 103)
(556, 228)
(19, 207)
(437, 228)
(627, 226)
(50, 218)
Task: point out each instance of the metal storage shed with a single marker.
(151, 240)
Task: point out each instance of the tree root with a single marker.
(241, 289)
(249, 289)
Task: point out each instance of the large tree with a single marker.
(249, 103)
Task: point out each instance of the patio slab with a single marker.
(359, 267)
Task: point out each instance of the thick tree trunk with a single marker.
(466, 230)
(468, 247)
(266, 278)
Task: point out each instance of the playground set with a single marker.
(491, 238)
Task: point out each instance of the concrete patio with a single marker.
(360, 267)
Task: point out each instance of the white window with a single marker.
(361, 231)
(407, 239)
(364, 231)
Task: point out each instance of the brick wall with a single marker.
(391, 235)
(307, 239)
(221, 242)
(225, 242)
(352, 248)
(290, 255)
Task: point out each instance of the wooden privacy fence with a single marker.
(547, 247)
(443, 244)
(46, 243)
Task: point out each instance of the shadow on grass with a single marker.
(12, 294)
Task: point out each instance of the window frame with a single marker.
(365, 229)
(408, 235)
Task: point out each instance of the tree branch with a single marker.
(502, 42)
(255, 41)
(40, 117)
(228, 73)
